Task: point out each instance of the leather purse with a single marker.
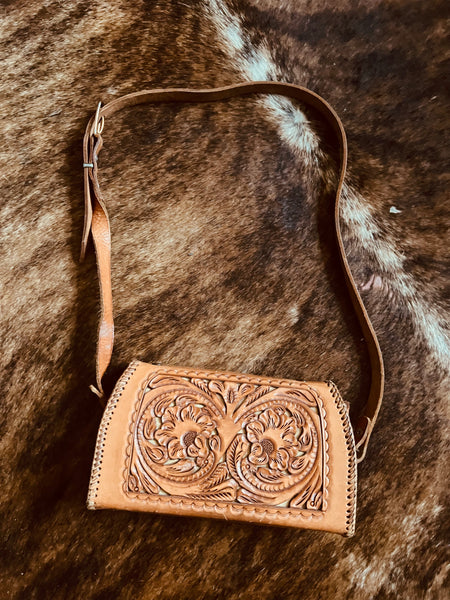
(197, 442)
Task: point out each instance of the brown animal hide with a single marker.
(223, 257)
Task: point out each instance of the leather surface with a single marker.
(225, 445)
(97, 222)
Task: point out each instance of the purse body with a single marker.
(226, 445)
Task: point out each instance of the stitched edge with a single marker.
(352, 474)
(223, 507)
(101, 436)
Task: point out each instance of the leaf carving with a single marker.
(227, 494)
(148, 428)
(261, 390)
(299, 499)
(201, 384)
(156, 453)
(247, 497)
(148, 484)
(315, 502)
(219, 475)
(268, 475)
(182, 466)
(234, 454)
(298, 464)
(215, 443)
(133, 483)
(217, 387)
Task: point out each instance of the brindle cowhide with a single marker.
(223, 257)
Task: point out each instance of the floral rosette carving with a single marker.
(272, 438)
(229, 441)
(186, 432)
(275, 456)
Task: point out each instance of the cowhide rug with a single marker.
(223, 257)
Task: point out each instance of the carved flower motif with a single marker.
(185, 431)
(272, 438)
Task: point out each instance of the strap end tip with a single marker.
(100, 393)
(84, 244)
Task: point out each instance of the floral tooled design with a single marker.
(273, 440)
(185, 431)
(227, 441)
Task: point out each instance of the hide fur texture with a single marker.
(223, 257)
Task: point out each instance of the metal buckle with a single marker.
(99, 123)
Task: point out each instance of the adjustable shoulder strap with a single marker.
(96, 221)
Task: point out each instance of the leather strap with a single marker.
(96, 221)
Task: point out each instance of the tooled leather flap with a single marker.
(226, 445)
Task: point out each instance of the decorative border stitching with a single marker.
(222, 507)
(107, 416)
(352, 474)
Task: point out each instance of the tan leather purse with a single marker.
(195, 442)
